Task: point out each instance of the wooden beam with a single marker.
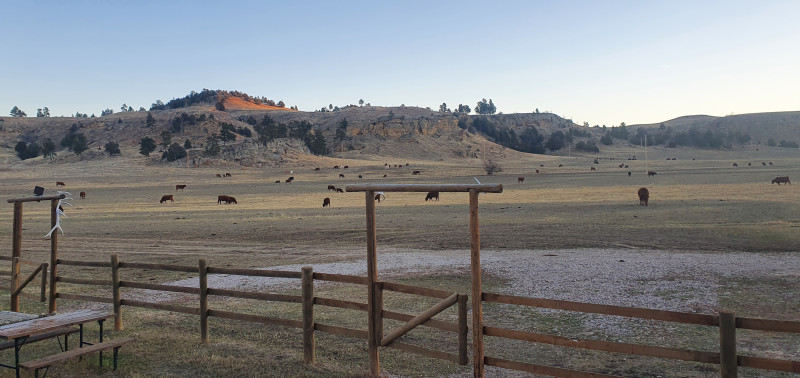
(37, 199)
(372, 278)
(203, 268)
(16, 248)
(309, 354)
(52, 305)
(728, 367)
(481, 188)
(478, 370)
(419, 319)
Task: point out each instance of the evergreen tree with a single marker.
(49, 149)
(146, 146)
(150, 122)
(187, 144)
(112, 148)
(174, 152)
(212, 145)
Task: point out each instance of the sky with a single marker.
(601, 62)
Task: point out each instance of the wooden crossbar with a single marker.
(419, 319)
(480, 188)
(50, 360)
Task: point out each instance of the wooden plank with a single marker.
(161, 306)
(419, 319)
(433, 323)
(769, 364)
(43, 336)
(416, 290)
(642, 313)
(541, 369)
(605, 346)
(309, 354)
(159, 287)
(478, 369)
(51, 323)
(115, 294)
(95, 264)
(37, 199)
(463, 330)
(43, 289)
(63, 356)
(255, 318)
(28, 279)
(16, 251)
(424, 351)
(52, 305)
(374, 310)
(343, 278)
(727, 345)
(203, 290)
(167, 267)
(254, 295)
(85, 298)
(768, 325)
(480, 188)
(340, 304)
(81, 281)
(341, 331)
(254, 272)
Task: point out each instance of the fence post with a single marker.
(203, 301)
(463, 329)
(115, 292)
(373, 308)
(309, 354)
(43, 297)
(378, 293)
(16, 250)
(53, 255)
(478, 370)
(727, 345)
(15, 284)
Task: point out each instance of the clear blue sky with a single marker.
(603, 62)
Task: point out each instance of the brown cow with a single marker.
(316, 169)
(346, 166)
(60, 183)
(644, 195)
(227, 174)
(166, 198)
(651, 173)
(781, 179)
(326, 202)
(180, 186)
(341, 175)
(593, 169)
(339, 190)
(222, 198)
(83, 195)
(520, 179)
(537, 171)
(219, 175)
(335, 167)
(231, 200)
(378, 197)
(416, 173)
(431, 196)
(331, 187)
(384, 176)
(290, 179)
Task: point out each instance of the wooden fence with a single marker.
(307, 299)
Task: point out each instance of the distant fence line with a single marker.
(727, 357)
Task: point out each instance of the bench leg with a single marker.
(116, 351)
(101, 340)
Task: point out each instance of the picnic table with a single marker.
(48, 327)
(8, 317)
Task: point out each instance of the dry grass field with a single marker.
(701, 207)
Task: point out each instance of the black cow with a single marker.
(431, 196)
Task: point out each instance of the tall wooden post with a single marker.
(309, 354)
(463, 329)
(475, 269)
(53, 256)
(115, 292)
(204, 301)
(373, 333)
(727, 345)
(16, 251)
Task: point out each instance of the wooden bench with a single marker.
(45, 362)
(42, 336)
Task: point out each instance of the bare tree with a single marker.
(492, 167)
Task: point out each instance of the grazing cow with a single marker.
(384, 176)
(781, 179)
(378, 197)
(651, 173)
(341, 175)
(180, 186)
(541, 165)
(537, 171)
(626, 166)
(166, 198)
(644, 195)
(593, 169)
(770, 164)
(227, 174)
(596, 162)
(416, 172)
(219, 175)
(83, 195)
(621, 165)
(629, 173)
(359, 176)
(736, 165)
(346, 166)
(763, 163)
(339, 190)
(335, 167)
(316, 169)
(749, 164)
(277, 181)
(231, 200)
(290, 179)
(520, 179)
(222, 198)
(60, 183)
(560, 165)
(326, 202)
(331, 187)
(431, 196)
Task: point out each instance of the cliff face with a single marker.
(396, 128)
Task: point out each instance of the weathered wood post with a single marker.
(204, 301)
(727, 345)
(43, 297)
(463, 329)
(309, 353)
(16, 248)
(373, 337)
(475, 269)
(115, 292)
(53, 255)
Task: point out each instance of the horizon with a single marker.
(601, 63)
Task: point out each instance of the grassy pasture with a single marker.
(698, 205)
